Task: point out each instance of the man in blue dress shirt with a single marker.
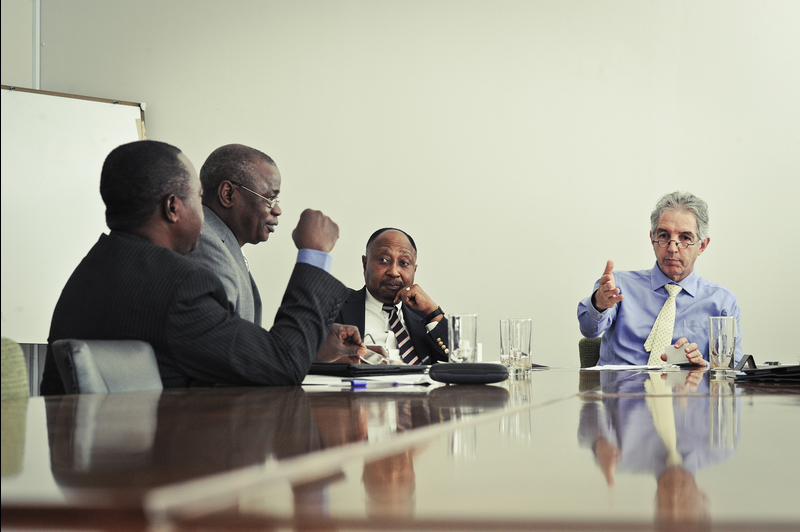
(624, 305)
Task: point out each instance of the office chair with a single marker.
(106, 366)
(14, 374)
(589, 351)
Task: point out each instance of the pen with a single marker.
(362, 384)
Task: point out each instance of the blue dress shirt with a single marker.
(317, 258)
(625, 326)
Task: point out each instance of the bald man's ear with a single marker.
(225, 194)
(364, 263)
(169, 208)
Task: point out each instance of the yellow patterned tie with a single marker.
(661, 334)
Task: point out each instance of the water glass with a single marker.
(721, 343)
(505, 349)
(519, 344)
(463, 337)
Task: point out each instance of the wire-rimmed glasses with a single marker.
(271, 202)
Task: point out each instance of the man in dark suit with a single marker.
(391, 306)
(136, 283)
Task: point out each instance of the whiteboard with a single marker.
(53, 148)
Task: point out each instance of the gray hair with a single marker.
(682, 201)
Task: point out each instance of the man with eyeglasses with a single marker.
(240, 205)
(136, 283)
(624, 305)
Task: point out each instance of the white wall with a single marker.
(521, 143)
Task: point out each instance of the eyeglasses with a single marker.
(271, 202)
(666, 243)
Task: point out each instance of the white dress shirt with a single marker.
(376, 326)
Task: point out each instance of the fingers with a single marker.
(315, 231)
(609, 268)
(607, 294)
(348, 334)
(692, 353)
(415, 297)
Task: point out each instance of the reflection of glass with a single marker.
(722, 415)
(518, 426)
(721, 343)
(463, 337)
(462, 443)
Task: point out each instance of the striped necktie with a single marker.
(403, 340)
(661, 334)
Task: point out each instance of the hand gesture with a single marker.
(692, 354)
(315, 231)
(343, 344)
(417, 299)
(607, 294)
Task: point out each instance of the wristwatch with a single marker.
(433, 314)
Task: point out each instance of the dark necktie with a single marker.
(403, 340)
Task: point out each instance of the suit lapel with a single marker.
(353, 309)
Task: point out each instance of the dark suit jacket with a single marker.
(129, 288)
(426, 344)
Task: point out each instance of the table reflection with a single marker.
(137, 441)
(677, 424)
(377, 417)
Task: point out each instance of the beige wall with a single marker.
(522, 143)
(16, 22)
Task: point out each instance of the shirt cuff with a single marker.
(591, 311)
(317, 258)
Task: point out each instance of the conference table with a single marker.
(556, 449)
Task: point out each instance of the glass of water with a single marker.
(505, 349)
(463, 337)
(519, 342)
(721, 344)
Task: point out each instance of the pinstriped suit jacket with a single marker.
(219, 251)
(129, 288)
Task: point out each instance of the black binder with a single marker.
(343, 369)
(771, 374)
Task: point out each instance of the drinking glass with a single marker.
(721, 344)
(505, 350)
(519, 342)
(463, 337)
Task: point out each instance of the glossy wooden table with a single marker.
(559, 449)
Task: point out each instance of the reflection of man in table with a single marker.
(645, 429)
(169, 437)
(390, 296)
(624, 305)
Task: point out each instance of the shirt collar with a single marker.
(658, 279)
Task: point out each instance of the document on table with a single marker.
(377, 381)
(628, 367)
